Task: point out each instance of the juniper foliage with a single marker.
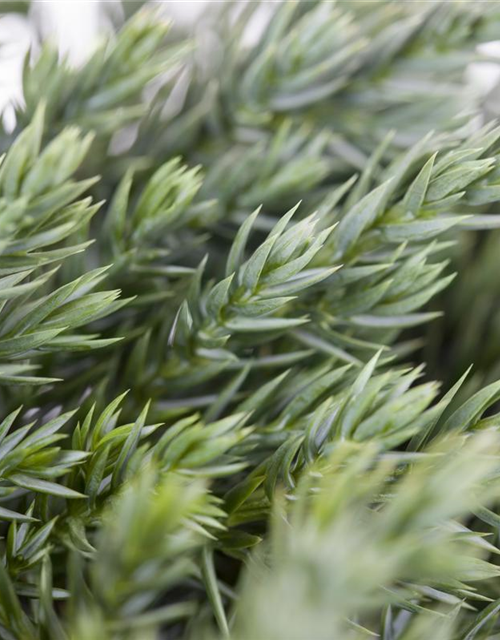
(215, 417)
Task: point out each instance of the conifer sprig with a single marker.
(253, 291)
(281, 465)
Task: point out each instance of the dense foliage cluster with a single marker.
(223, 262)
